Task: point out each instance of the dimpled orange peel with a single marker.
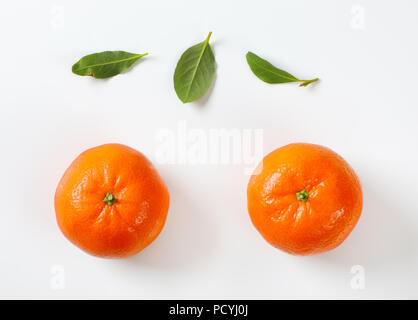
(304, 199)
(111, 201)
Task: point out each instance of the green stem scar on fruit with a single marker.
(302, 195)
(109, 199)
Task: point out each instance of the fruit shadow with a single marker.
(383, 237)
(188, 237)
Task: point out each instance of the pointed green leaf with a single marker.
(195, 72)
(265, 71)
(105, 64)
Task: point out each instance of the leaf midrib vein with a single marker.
(112, 62)
(205, 45)
(277, 74)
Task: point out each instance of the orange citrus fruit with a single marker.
(304, 199)
(111, 202)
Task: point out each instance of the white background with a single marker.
(364, 108)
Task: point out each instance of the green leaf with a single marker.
(265, 71)
(105, 64)
(195, 72)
